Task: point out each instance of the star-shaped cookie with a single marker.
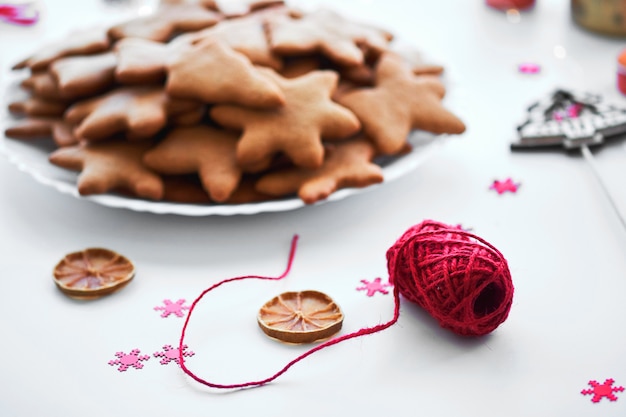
(398, 103)
(200, 149)
(347, 164)
(212, 72)
(295, 129)
(42, 127)
(142, 61)
(245, 35)
(85, 75)
(137, 112)
(35, 106)
(327, 32)
(167, 21)
(110, 166)
(84, 42)
(42, 84)
(233, 8)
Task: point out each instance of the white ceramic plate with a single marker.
(31, 156)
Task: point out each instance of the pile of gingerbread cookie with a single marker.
(201, 102)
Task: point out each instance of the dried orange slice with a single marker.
(300, 317)
(92, 273)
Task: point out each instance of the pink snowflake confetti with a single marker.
(529, 68)
(172, 354)
(602, 390)
(128, 360)
(504, 186)
(373, 287)
(176, 308)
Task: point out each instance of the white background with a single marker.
(564, 244)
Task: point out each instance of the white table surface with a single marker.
(564, 244)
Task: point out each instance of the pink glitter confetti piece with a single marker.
(602, 390)
(373, 287)
(19, 14)
(170, 354)
(529, 68)
(169, 307)
(504, 186)
(129, 360)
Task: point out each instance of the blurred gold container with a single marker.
(607, 17)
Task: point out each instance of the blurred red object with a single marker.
(511, 4)
(19, 14)
(621, 72)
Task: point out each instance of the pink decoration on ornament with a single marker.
(503, 186)
(128, 360)
(19, 14)
(571, 112)
(528, 68)
(373, 287)
(172, 354)
(602, 390)
(172, 308)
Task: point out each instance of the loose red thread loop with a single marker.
(361, 332)
(460, 279)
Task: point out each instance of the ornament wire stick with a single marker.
(573, 121)
(584, 149)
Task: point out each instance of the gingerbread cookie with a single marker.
(247, 193)
(185, 189)
(398, 103)
(296, 129)
(141, 61)
(327, 32)
(42, 84)
(167, 21)
(347, 164)
(35, 106)
(137, 112)
(199, 149)
(243, 34)
(86, 42)
(212, 72)
(80, 76)
(42, 127)
(109, 166)
(234, 8)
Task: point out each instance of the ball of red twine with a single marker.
(461, 280)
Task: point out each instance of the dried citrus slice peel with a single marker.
(92, 273)
(300, 317)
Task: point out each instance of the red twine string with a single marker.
(460, 279)
(361, 332)
(457, 277)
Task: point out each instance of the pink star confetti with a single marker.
(169, 307)
(172, 354)
(529, 68)
(504, 186)
(373, 287)
(129, 360)
(602, 390)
